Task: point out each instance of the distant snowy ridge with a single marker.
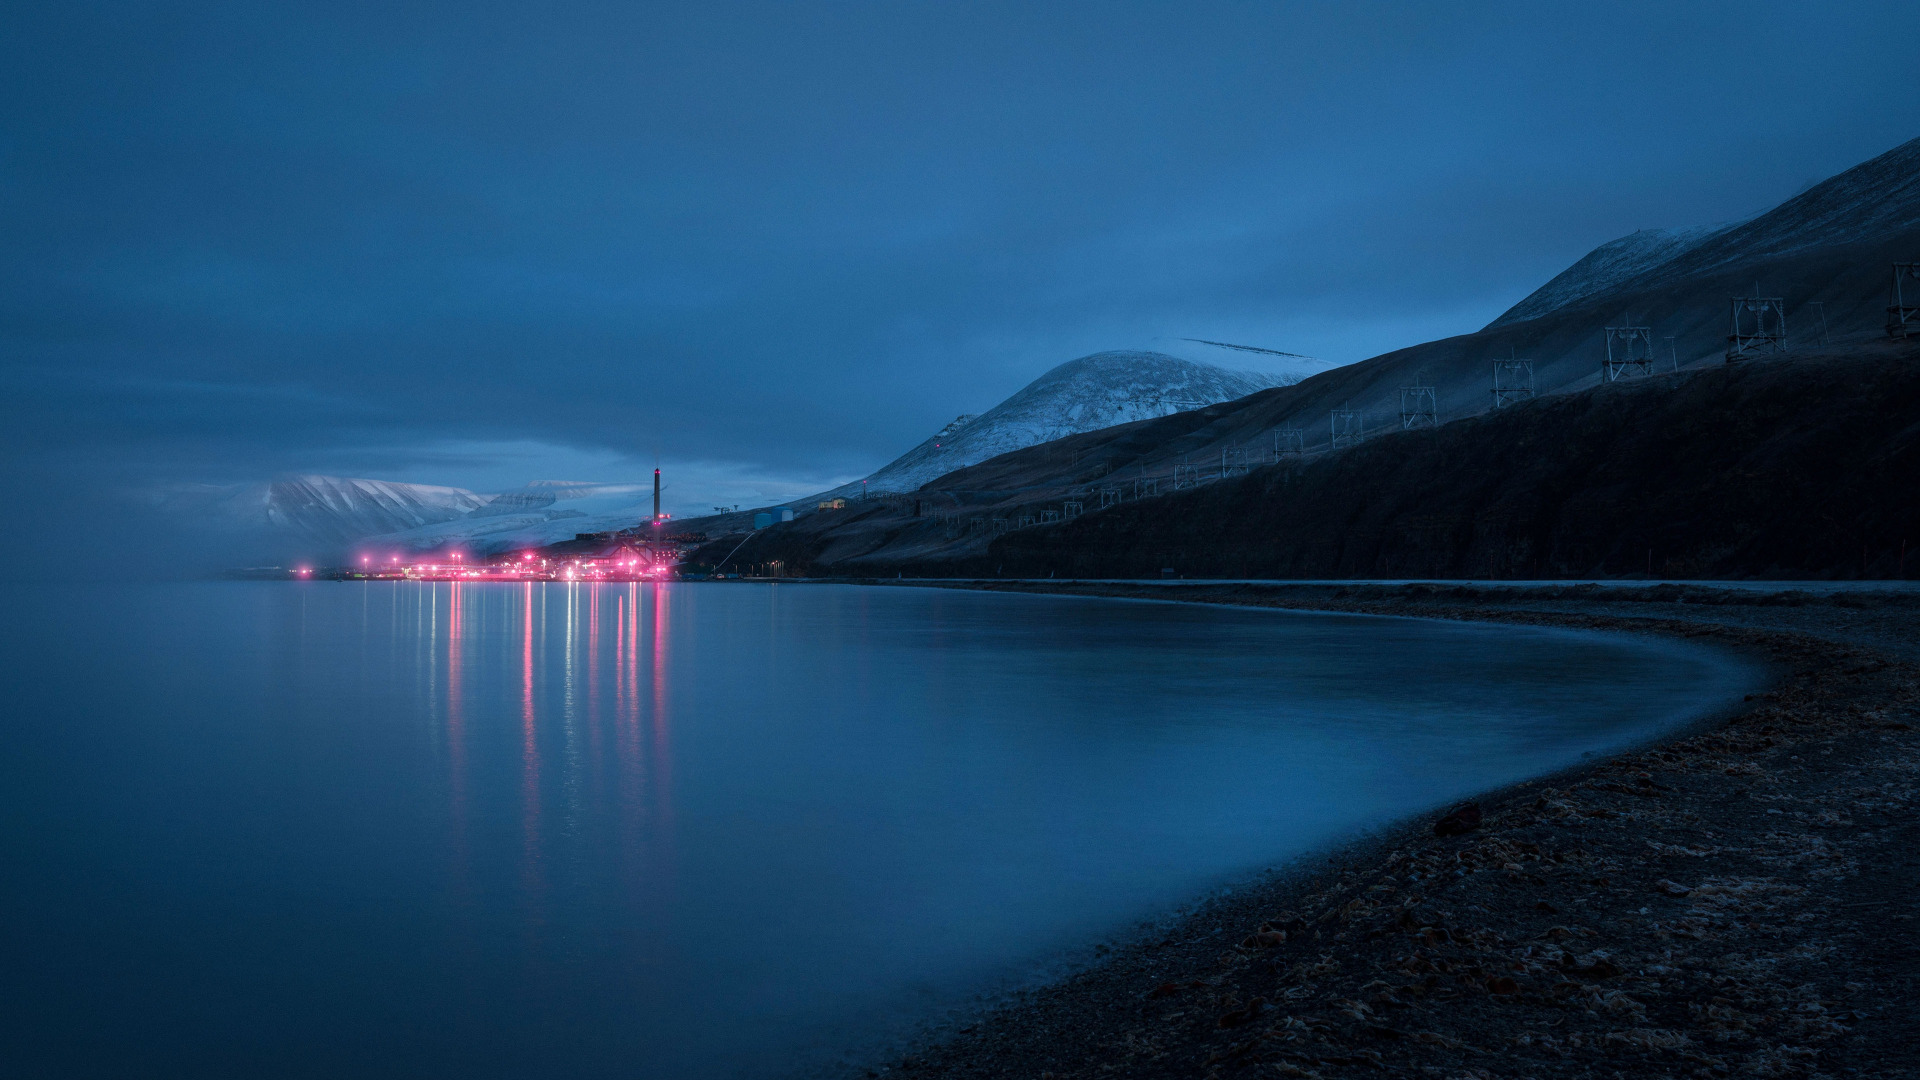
(1093, 392)
(327, 510)
(344, 516)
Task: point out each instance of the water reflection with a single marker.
(661, 773)
(685, 831)
(587, 670)
(456, 740)
(529, 756)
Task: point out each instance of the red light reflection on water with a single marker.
(529, 752)
(663, 777)
(453, 655)
(456, 734)
(593, 655)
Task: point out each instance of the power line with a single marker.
(1248, 348)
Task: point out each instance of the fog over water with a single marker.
(690, 830)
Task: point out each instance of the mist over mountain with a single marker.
(543, 512)
(349, 517)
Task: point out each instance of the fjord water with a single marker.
(689, 830)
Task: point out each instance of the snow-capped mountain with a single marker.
(1093, 392)
(325, 510)
(1607, 266)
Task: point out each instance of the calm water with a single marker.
(698, 830)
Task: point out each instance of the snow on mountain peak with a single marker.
(1086, 394)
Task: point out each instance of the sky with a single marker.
(771, 246)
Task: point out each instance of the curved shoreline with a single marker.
(1674, 910)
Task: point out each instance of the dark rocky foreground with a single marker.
(1737, 902)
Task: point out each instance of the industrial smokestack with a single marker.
(656, 496)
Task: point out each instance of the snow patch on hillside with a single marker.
(1872, 201)
(1607, 266)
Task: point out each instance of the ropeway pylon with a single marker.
(1903, 311)
(1759, 326)
(1348, 428)
(1629, 352)
(1418, 408)
(1512, 381)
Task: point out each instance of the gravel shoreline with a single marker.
(1738, 901)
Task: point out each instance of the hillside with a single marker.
(1800, 467)
(1825, 250)
(1088, 394)
(1093, 392)
(1604, 269)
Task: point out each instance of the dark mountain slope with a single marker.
(1830, 245)
(1872, 202)
(1802, 467)
(1799, 468)
(1604, 268)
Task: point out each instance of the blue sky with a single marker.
(772, 245)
